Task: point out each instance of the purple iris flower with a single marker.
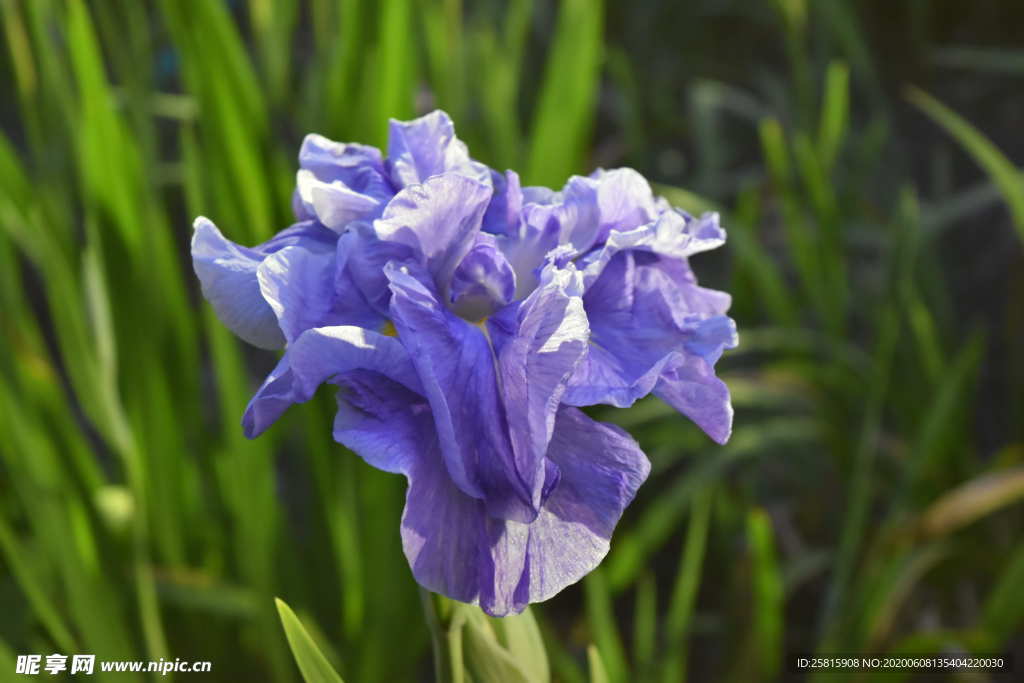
(464, 320)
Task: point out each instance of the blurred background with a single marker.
(863, 156)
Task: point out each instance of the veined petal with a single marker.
(539, 343)
(455, 363)
(601, 469)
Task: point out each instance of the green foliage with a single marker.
(860, 506)
(311, 661)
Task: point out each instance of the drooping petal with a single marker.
(383, 421)
(539, 343)
(601, 469)
(228, 275)
(443, 531)
(439, 220)
(271, 400)
(654, 329)
(317, 356)
(426, 147)
(692, 388)
(455, 363)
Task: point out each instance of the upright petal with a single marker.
(338, 180)
(503, 213)
(439, 220)
(427, 146)
(358, 167)
(483, 281)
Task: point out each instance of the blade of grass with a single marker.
(564, 116)
(601, 619)
(684, 593)
(1004, 174)
(311, 661)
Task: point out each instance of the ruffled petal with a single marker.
(427, 146)
(654, 329)
(339, 182)
(335, 204)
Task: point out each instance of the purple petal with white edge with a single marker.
(439, 220)
(427, 146)
(335, 204)
(539, 343)
(228, 275)
(673, 234)
(456, 366)
(483, 282)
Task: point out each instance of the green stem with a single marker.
(445, 637)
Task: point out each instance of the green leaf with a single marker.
(565, 112)
(835, 111)
(314, 666)
(1004, 174)
(684, 594)
(598, 674)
